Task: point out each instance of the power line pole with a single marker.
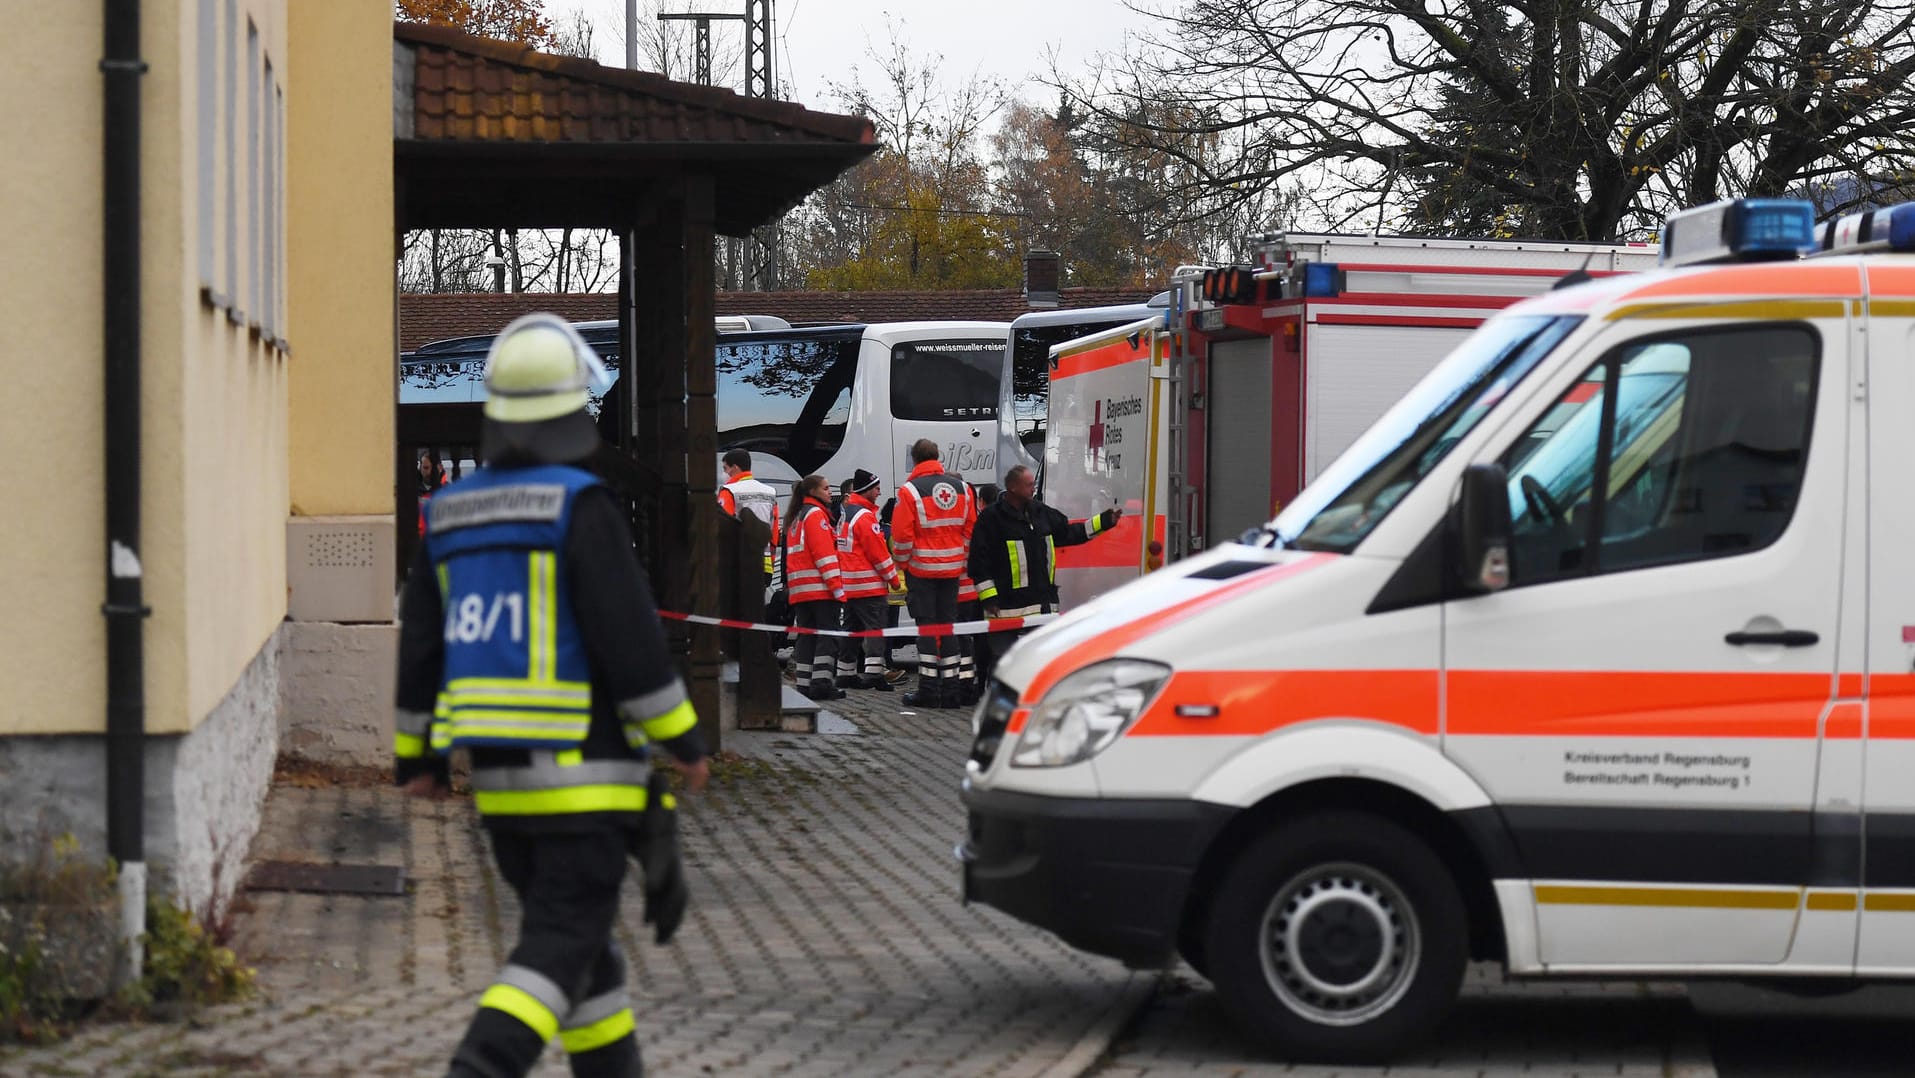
(761, 262)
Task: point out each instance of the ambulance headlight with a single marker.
(1087, 711)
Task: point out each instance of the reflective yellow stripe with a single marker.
(408, 746)
(539, 701)
(560, 802)
(986, 594)
(1832, 900)
(1095, 524)
(520, 1004)
(468, 684)
(569, 758)
(567, 729)
(1895, 903)
(598, 1034)
(542, 599)
(672, 723)
(1690, 897)
(445, 581)
(1018, 578)
(1050, 552)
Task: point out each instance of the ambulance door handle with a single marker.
(1788, 638)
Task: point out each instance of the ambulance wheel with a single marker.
(1339, 938)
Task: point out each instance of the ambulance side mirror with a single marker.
(1482, 530)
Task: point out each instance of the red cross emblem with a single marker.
(1097, 433)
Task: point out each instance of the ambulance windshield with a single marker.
(1355, 493)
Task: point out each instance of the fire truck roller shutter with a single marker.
(1238, 400)
(1355, 374)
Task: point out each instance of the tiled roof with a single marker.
(425, 317)
(491, 134)
(474, 88)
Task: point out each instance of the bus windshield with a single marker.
(1355, 493)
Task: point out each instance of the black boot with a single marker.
(821, 691)
(928, 695)
(874, 682)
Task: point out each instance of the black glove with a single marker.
(655, 847)
(1107, 519)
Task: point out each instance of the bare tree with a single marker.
(1574, 119)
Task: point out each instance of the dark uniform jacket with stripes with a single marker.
(638, 702)
(1013, 553)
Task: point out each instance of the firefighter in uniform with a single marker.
(930, 537)
(743, 491)
(529, 637)
(1014, 558)
(869, 577)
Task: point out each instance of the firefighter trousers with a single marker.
(565, 977)
(933, 601)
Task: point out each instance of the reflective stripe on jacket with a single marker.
(863, 559)
(931, 528)
(1014, 553)
(811, 557)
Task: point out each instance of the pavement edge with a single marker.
(1090, 1048)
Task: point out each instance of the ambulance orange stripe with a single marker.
(1115, 354)
(1635, 704)
(1107, 644)
(1891, 707)
(1526, 703)
(1844, 722)
(1791, 279)
(1252, 703)
(1891, 281)
(1119, 548)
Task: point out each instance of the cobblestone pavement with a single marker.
(1499, 1030)
(825, 938)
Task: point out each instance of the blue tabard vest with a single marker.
(515, 669)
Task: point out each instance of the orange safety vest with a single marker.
(863, 560)
(931, 528)
(811, 557)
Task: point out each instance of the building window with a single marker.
(253, 261)
(232, 156)
(208, 110)
(279, 212)
(268, 220)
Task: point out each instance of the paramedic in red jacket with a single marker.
(931, 540)
(814, 585)
(869, 577)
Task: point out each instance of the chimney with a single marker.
(1040, 279)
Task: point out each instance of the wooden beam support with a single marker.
(701, 442)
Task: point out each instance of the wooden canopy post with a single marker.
(701, 419)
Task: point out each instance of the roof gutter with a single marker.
(125, 608)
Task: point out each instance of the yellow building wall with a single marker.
(52, 560)
(213, 400)
(340, 233)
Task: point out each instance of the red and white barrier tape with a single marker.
(961, 628)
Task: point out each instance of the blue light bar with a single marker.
(1890, 229)
(1322, 279)
(1741, 230)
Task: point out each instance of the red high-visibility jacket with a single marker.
(931, 527)
(811, 557)
(863, 559)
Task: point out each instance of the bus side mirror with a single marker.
(1483, 527)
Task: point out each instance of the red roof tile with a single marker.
(425, 317)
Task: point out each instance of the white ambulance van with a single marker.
(1592, 657)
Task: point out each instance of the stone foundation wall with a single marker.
(336, 689)
(203, 789)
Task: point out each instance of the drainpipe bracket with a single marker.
(138, 67)
(118, 610)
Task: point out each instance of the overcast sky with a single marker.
(821, 40)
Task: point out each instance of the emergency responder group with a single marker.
(956, 552)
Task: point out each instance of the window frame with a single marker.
(1611, 362)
